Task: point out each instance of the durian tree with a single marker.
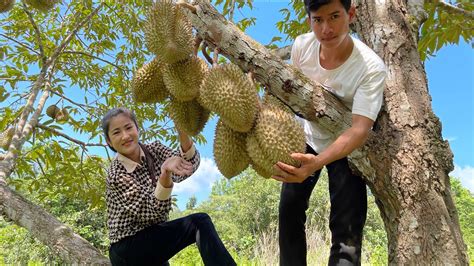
(405, 162)
(90, 50)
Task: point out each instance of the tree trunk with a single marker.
(413, 187)
(405, 162)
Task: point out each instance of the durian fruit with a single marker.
(42, 5)
(147, 83)
(168, 32)
(258, 159)
(52, 111)
(270, 99)
(6, 138)
(230, 153)
(183, 79)
(6, 5)
(62, 116)
(276, 135)
(227, 91)
(190, 117)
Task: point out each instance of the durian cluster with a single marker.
(41, 5)
(6, 5)
(6, 138)
(174, 73)
(249, 131)
(61, 115)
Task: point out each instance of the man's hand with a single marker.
(290, 174)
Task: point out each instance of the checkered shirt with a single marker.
(131, 202)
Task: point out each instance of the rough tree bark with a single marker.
(405, 162)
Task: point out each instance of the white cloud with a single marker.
(201, 180)
(465, 175)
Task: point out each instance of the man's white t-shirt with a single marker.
(358, 83)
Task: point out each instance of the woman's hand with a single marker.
(176, 165)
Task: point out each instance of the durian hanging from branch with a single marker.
(147, 83)
(6, 5)
(6, 138)
(190, 117)
(168, 32)
(227, 91)
(230, 153)
(184, 78)
(275, 136)
(42, 5)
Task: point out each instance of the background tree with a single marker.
(88, 50)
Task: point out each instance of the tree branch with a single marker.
(78, 142)
(98, 58)
(69, 37)
(37, 34)
(453, 9)
(283, 52)
(19, 43)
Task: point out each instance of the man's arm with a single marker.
(348, 141)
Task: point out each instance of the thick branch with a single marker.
(48, 229)
(81, 143)
(302, 95)
(453, 9)
(283, 52)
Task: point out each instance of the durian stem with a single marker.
(250, 75)
(188, 6)
(197, 44)
(206, 54)
(215, 59)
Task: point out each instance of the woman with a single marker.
(139, 184)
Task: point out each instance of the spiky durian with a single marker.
(276, 135)
(6, 5)
(52, 111)
(42, 5)
(183, 79)
(227, 91)
(6, 138)
(62, 116)
(230, 151)
(189, 117)
(279, 134)
(258, 159)
(147, 83)
(168, 32)
(270, 99)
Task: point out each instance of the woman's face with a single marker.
(123, 136)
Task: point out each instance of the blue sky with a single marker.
(451, 84)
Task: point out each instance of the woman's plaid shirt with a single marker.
(131, 201)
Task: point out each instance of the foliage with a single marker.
(445, 27)
(464, 201)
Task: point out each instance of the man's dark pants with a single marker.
(348, 194)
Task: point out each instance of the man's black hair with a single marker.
(314, 5)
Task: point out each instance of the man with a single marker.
(356, 75)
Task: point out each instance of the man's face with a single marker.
(330, 23)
